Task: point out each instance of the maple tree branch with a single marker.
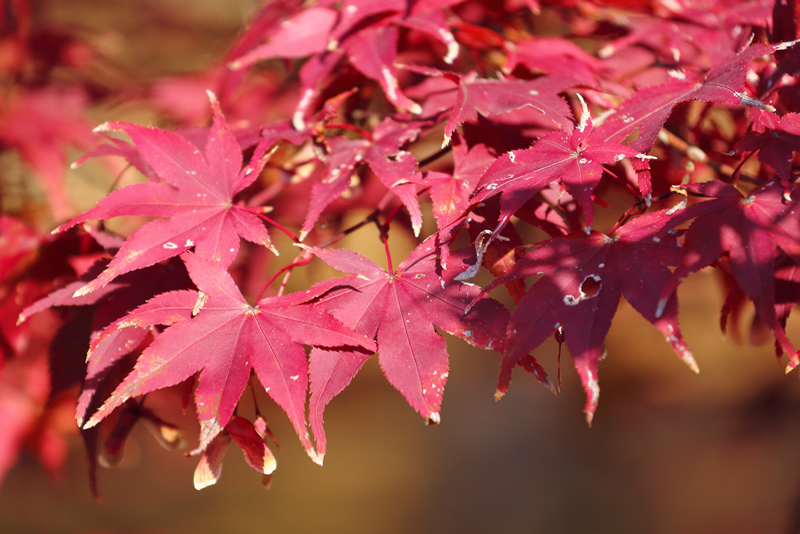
(369, 219)
(350, 127)
(698, 155)
(436, 155)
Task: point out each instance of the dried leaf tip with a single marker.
(433, 419)
(452, 47)
(202, 298)
(316, 457)
(212, 97)
(747, 101)
(446, 141)
(787, 44)
(85, 290)
(584, 113)
(102, 128)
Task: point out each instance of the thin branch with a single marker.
(696, 154)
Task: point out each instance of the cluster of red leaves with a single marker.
(454, 118)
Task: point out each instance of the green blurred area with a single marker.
(669, 451)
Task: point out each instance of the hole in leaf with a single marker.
(591, 286)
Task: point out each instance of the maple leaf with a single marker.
(648, 109)
(450, 192)
(364, 30)
(696, 34)
(575, 158)
(370, 40)
(555, 56)
(42, 124)
(225, 341)
(246, 435)
(195, 195)
(396, 169)
(400, 310)
(749, 229)
(373, 52)
(583, 278)
(301, 35)
(426, 16)
(114, 338)
(775, 147)
(494, 97)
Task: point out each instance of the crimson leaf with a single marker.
(749, 229)
(225, 341)
(584, 277)
(401, 309)
(196, 196)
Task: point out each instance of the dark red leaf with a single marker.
(584, 277)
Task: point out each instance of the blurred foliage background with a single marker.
(669, 451)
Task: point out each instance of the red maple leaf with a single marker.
(450, 192)
(365, 30)
(395, 168)
(400, 310)
(555, 56)
(584, 277)
(253, 445)
(749, 229)
(226, 340)
(114, 338)
(694, 33)
(41, 124)
(575, 158)
(494, 97)
(775, 139)
(301, 35)
(648, 109)
(195, 196)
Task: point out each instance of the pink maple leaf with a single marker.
(195, 197)
(400, 310)
(226, 340)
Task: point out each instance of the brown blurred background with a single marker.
(669, 451)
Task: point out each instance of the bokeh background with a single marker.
(669, 451)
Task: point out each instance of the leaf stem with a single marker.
(344, 126)
(436, 155)
(696, 154)
(304, 259)
(372, 217)
(254, 209)
(385, 239)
